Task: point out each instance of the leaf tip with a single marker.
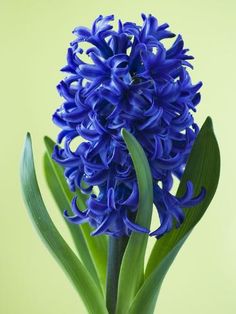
(48, 140)
(208, 123)
(27, 142)
(123, 132)
(49, 143)
(28, 136)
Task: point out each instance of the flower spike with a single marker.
(131, 81)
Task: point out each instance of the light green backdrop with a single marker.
(34, 38)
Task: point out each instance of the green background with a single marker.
(34, 38)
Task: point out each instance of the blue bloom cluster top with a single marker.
(132, 81)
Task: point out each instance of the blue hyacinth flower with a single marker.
(131, 81)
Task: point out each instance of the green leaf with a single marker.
(132, 267)
(97, 245)
(75, 230)
(203, 169)
(145, 300)
(72, 266)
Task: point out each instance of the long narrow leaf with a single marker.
(145, 300)
(98, 245)
(203, 169)
(78, 274)
(75, 230)
(133, 259)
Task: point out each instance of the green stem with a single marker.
(115, 254)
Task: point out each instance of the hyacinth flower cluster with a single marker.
(126, 78)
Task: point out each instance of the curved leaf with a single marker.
(97, 245)
(75, 230)
(203, 169)
(78, 274)
(133, 259)
(145, 300)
